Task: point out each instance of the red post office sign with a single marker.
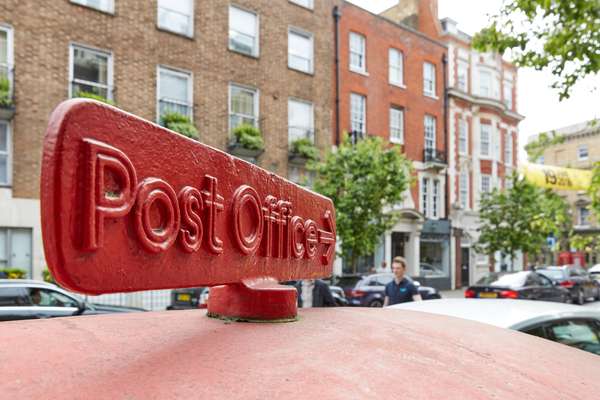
(128, 205)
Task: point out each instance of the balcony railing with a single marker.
(434, 156)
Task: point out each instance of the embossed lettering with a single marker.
(100, 201)
(297, 236)
(191, 206)
(246, 199)
(158, 193)
(214, 203)
(271, 217)
(310, 238)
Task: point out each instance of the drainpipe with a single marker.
(337, 15)
(446, 122)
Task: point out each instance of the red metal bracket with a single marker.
(254, 300)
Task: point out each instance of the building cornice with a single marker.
(486, 102)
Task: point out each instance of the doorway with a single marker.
(465, 268)
(399, 240)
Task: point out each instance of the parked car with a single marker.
(338, 295)
(564, 323)
(346, 282)
(595, 272)
(369, 291)
(527, 285)
(31, 299)
(186, 298)
(580, 284)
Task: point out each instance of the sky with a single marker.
(537, 101)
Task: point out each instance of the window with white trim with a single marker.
(396, 67)
(90, 72)
(486, 183)
(358, 113)
(428, 79)
(463, 138)
(463, 189)
(243, 31)
(300, 50)
(485, 83)
(243, 106)
(6, 60)
(508, 149)
(462, 76)
(396, 125)
(425, 196)
(435, 199)
(430, 134)
(508, 182)
(102, 5)
(485, 140)
(5, 154)
(175, 92)
(300, 121)
(584, 215)
(358, 61)
(304, 3)
(582, 152)
(508, 95)
(176, 16)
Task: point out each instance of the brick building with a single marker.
(260, 62)
(581, 150)
(483, 142)
(392, 86)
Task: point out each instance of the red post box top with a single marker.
(328, 354)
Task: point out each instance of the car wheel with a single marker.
(580, 297)
(376, 303)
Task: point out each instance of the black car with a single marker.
(30, 299)
(347, 282)
(369, 291)
(580, 284)
(185, 299)
(528, 285)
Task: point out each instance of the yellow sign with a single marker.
(556, 177)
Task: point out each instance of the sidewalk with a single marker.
(452, 294)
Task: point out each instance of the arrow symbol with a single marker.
(327, 238)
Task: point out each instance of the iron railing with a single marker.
(434, 156)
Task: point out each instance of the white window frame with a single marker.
(507, 91)
(398, 68)
(110, 9)
(463, 189)
(463, 137)
(429, 82)
(190, 81)
(488, 152)
(256, 104)
(433, 132)
(580, 218)
(355, 118)
(9, 57)
(483, 179)
(436, 196)
(490, 90)
(583, 152)
(361, 69)
(8, 153)
(306, 3)
(432, 196)
(256, 50)
(463, 66)
(310, 37)
(397, 138)
(508, 149)
(311, 127)
(109, 86)
(425, 198)
(190, 30)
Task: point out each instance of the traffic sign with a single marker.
(128, 205)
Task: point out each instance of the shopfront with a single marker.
(434, 266)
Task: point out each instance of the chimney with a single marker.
(421, 15)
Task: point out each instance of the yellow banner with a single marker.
(556, 177)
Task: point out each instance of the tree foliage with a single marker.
(363, 181)
(535, 149)
(562, 35)
(520, 219)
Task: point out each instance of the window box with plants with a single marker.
(90, 95)
(7, 106)
(246, 142)
(179, 123)
(302, 151)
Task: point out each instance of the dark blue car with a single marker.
(369, 291)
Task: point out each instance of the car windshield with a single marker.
(552, 273)
(511, 280)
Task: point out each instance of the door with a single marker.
(465, 268)
(398, 243)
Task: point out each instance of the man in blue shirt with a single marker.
(400, 289)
